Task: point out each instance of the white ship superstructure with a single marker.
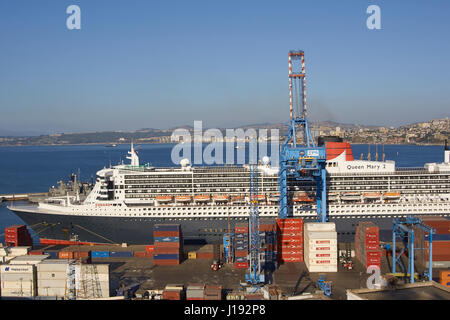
(215, 195)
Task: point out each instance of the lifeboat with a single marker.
(302, 198)
(202, 198)
(351, 196)
(332, 196)
(164, 198)
(372, 195)
(183, 198)
(259, 197)
(238, 199)
(220, 197)
(391, 195)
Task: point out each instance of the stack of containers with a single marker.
(195, 292)
(441, 241)
(168, 245)
(18, 280)
(213, 292)
(268, 239)
(320, 245)
(241, 246)
(173, 292)
(17, 235)
(367, 244)
(290, 240)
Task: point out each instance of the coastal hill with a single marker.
(429, 132)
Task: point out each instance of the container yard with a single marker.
(297, 258)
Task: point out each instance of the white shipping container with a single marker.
(320, 235)
(25, 284)
(7, 268)
(34, 260)
(320, 226)
(54, 265)
(321, 242)
(17, 276)
(17, 293)
(52, 283)
(312, 262)
(51, 292)
(48, 275)
(90, 277)
(100, 268)
(19, 251)
(326, 268)
(319, 249)
(321, 255)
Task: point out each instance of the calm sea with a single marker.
(36, 169)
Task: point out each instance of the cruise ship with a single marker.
(128, 199)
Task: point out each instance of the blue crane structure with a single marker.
(301, 160)
(254, 275)
(404, 229)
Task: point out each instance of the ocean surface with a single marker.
(37, 168)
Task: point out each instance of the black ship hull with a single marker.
(96, 229)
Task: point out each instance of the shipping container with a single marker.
(100, 254)
(121, 254)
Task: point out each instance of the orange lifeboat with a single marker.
(163, 198)
(220, 197)
(372, 195)
(183, 198)
(238, 199)
(302, 198)
(259, 197)
(391, 195)
(202, 197)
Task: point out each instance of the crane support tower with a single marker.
(403, 228)
(300, 158)
(254, 275)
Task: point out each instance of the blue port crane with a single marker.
(300, 158)
(404, 229)
(254, 275)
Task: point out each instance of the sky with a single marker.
(162, 64)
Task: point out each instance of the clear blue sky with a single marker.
(139, 64)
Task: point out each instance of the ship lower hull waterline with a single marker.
(117, 230)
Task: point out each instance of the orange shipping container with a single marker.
(65, 255)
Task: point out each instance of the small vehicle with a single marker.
(216, 265)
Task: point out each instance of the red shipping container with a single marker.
(81, 254)
(241, 265)
(241, 229)
(166, 250)
(171, 295)
(36, 253)
(205, 255)
(166, 262)
(289, 221)
(139, 254)
(166, 234)
(373, 254)
(267, 227)
(149, 248)
(165, 245)
(372, 247)
(240, 253)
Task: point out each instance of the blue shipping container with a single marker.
(120, 254)
(167, 239)
(52, 254)
(241, 259)
(166, 257)
(100, 254)
(438, 237)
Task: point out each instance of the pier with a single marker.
(20, 196)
